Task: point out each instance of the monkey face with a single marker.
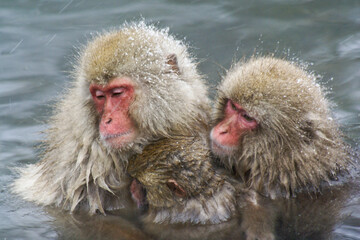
(225, 136)
(112, 102)
(292, 145)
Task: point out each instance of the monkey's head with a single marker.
(143, 85)
(272, 125)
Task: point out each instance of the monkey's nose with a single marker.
(223, 131)
(108, 120)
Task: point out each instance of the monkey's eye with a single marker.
(99, 94)
(232, 105)
(117, 92)
(247, 117)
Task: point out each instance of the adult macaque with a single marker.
(180, 182)
(273, 128)
(131, 86)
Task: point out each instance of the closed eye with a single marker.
(99, 94)
(247, 117)
(118, 92)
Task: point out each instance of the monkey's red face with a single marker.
(112, 102)
(226, 135)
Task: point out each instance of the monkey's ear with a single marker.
(138, 194)
(175, 188)
(172, 61)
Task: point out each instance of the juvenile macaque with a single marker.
(131, 86)
(273, 129)
(180, 182)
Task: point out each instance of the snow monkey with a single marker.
(273, 128)
(131, 86)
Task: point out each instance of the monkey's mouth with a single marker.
(119, 140)
(220, 149)
(111, 136)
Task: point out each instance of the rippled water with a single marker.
(37, 40)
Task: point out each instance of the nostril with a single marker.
(223, 132)
(108, 121)
(220, 130)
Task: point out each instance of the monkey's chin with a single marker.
(221, 150)
(119, 140)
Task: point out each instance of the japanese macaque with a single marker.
(131, 86)
(273, 129)
(180, 182)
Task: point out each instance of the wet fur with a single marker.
(297, 145)
(210, 197)
(77, 169)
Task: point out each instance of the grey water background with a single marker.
(37, 40)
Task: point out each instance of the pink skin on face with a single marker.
(112, 102)
(225, 135)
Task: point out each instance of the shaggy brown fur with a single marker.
(297, 144)
(208, 196)
(77, 169)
